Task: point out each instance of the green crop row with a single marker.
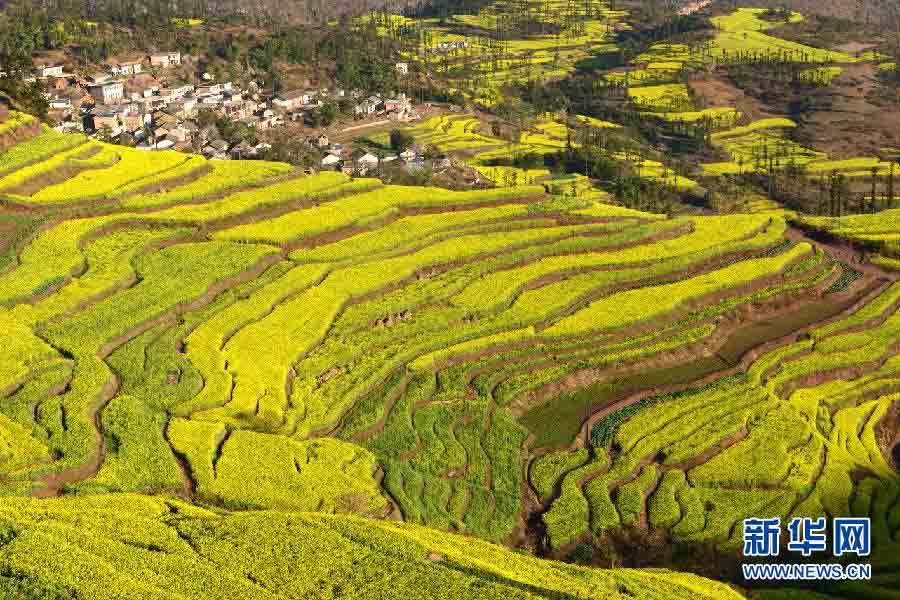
(256, 381)
(639, 305)
(58, 159)
(548, 469)
(361, 209)
(224, 176)
(37, 149)
(156, 548)
(134, 167)
(631, 501)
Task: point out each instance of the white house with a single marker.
(165, 59)
(293, 99)
(49, 71)
(60, 104)
(331, 161)
(176, 91)
(367, 160)
(369, 106)
(125, 68)
(107, 93)
(402, 68)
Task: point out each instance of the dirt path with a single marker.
(54, 483)
(718, 91)
(692, 7)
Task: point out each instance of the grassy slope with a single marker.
(125, 546)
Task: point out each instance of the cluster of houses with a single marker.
(126, 99)
(451, 46)
(298, 105)
(341, 158)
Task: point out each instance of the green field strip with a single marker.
(662, 98)
(431, 256)
(368, 411)
(131, 544)
(741, 39)
(171, 277)
(567, 518)
(546, 470)
(776, 434)
(55, 253)
(108, 267)
(503, 287)
(275, 196)
(259, 470)
(35, 171)
(151, 369)
(168, 277)
(224, 176)
(663, 508)
(134, 167)
(877, 345)
(23, 405)
(407, 231)
(725, 511)
(137, 458)
(658, 300)
(373, 366)
(690, 246)
(631, 501)
(20, 451)
(205, 345)
(339, 288)
(360, 209)
(37, 149)
(509, 389)
(671, 423)
(445, 448)
(25, 354)
(530, 380)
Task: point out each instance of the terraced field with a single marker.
(493, 362)
(765, 145)
(493, 158)
(148, 547)
(484, 65)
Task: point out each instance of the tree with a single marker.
(890, 186)
(874, 200)
(401, 140)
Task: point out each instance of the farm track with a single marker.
(53, 484)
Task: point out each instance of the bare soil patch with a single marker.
(849, 118)
(715, 90)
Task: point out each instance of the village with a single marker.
(163, 101)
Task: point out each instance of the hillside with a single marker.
(143, 547)
(871, 11)
(525, 368)
(557, 297)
